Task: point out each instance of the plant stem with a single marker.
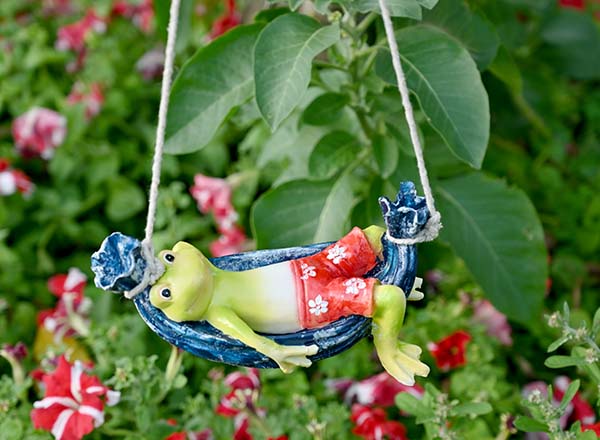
(365, 23)
(530, 114)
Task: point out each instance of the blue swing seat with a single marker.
(119, 266)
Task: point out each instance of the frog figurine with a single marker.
(292, 295)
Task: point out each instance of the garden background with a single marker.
(284, 127)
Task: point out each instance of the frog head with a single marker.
(185, 290)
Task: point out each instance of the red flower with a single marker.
(449, 352)
(70, 316)
(577, 4)
(151, 64)
(12, 180)
(243, 394)
(18, 351)
(141, 13)
(72, 406)
(496, 323)
(230, 19)
(177, 436)
(372, 424)
(379, 390)
(582, 410)
(38, 132)
(73, 36)
(92, 100)
(595, 427)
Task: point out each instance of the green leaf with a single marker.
(303, 211)
(445, 79)
(218, 78)
(294, 4)
(569, 394)
(282, 63)
(556, 344)
(333, 152)
(496, 231)
(471, 409)
(125, 199)
(528, 424)
(409, 403)
(596, 323)
(505, 68)
(574, 40)
(469, 27)
(325, 109)
(562, 361)
(397, 8)
(386, 152)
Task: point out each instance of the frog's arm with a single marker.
(286, 356)
(374, 234)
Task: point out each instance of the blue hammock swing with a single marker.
(119, 266)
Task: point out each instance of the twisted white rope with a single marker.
(154, 268)
(434, 224)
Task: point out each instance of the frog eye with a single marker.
(165, 293)
(168, 257)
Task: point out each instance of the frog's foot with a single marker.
(289, 357)
(403, 362)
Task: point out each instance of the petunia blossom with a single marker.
(91, 97)
(372, 424)
(12, 181)
(233, 242)
(230, 19)
(379, 390)
(151, 64)
(73, 36)
(38, 132)
(73, 404)
(582, 410)
(141, 13)
(592, 427)
(212, 194)
(449, 352)
(205, 434)
(496, 323)
(577, 4)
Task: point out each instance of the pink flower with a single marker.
(230, 19)
(582, 410)
(57, 7)
(230, 243)
(372, 424)
(73, 36)
(92, 99)
(72, 405)
(12, 180)
(151, 64)
(449, 352)
(212, 195)
(495, 322)
(18, 351)
(379, 390)
(140, 13)
(38, 132)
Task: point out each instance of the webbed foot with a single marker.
(289, 357)
(403, 362)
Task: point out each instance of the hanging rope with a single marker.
(154, 267)
(434, 224)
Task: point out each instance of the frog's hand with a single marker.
(286, 356)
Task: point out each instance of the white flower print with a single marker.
(307, 271)
(337, 253)
(317, 306)
(354, 285)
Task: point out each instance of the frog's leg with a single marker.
(286, 356)
(401, 360)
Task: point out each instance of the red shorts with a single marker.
(330, 284)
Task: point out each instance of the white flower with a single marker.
(317, 306)
(354, 285)
(337, 253)
(307, 271)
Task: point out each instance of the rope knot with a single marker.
(152, 272)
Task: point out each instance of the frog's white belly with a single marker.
(272, 306)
